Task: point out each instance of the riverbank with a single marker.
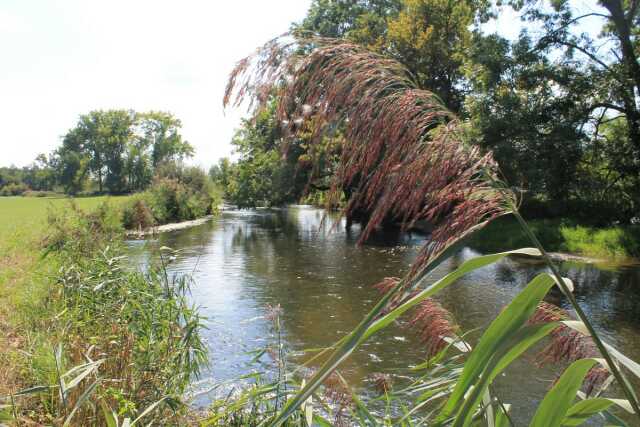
(24, 278)
(569, 240)
(66, 298)
(174, 226)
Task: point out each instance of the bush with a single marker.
(137, 215)
(80, 233)
(32, 193)
(13, 189)
(177, 193)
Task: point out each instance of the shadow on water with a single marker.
(245, 260)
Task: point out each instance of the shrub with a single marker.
(137, 215)
(78, 233)
(32, 193)
(13, 189)
(172, 199)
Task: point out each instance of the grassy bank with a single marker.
(81, 337)
(615, 243)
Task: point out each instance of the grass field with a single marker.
(27, 216)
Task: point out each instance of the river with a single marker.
(244, 261)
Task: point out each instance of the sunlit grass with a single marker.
(28, 215)
(612, 243)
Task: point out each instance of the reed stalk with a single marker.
(613, 367)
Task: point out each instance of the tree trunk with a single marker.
(631, 68)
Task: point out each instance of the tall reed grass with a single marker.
(405, 158)
(121, 346)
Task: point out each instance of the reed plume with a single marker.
(568, 345)
(433, 323)
(382, 382)
(339, 397)
(402, 155)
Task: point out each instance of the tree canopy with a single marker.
(557, 106)
(114, 151)
(119, 149)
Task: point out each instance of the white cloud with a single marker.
(64, 58)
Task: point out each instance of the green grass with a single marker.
(57, 310)
(24, 276)
(612, 243)
(28, 215)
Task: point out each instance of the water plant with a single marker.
(404, 158)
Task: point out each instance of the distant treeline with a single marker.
(558, 105)
(114, 151)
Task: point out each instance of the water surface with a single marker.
(244, 261)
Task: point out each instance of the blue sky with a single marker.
(62, 58)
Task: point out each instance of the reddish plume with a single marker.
(402, 155)
(568, 345)
(429, 319)
(434, 324)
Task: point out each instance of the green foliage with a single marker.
(137, 215)
(80, 234)
(178, 193)
(432, 38)
(127, 339)
(38, 176)
(615, 242)
(119, 149)
(13, 189)
(267, 173)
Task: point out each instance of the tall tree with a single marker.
(607, 89)
(70, 162)
(103, 137)
(162, 131)
(432, 37)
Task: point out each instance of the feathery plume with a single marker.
(402, 155)
(382, 382)
(434, 324)
(568, 345)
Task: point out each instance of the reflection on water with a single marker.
(245, 260)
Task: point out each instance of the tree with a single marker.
(432, 37)
(604, 80)
(71, 163)
(162, 133)
(360, 20)
(103, 137)
(264, 174)
(120, 149)
(529, 113)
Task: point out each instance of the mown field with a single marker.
(27, 216)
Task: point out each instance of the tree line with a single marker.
(114, 151)
(559, 105)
